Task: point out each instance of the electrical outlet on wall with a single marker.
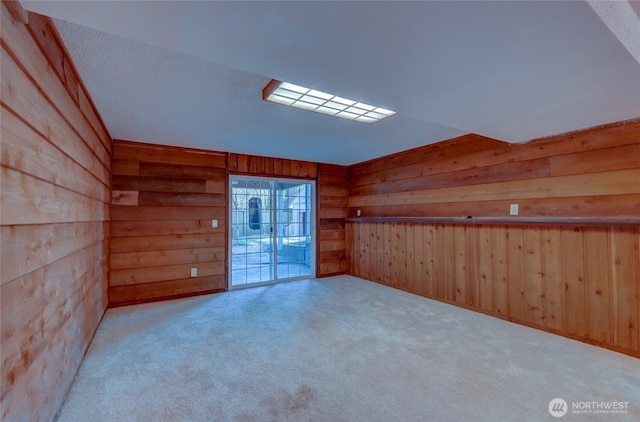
(214, 224)
(513, 209)
(194, 272)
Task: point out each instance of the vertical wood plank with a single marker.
(366, 245)
(553, 279)
(388, 251)
(410, 264)
(380, 262)
(428, 261)
(373, 234)
(419, 267)
(515, 272)
(598, 284)
(573, 275)
(533, 276)
(471, 263)
(402, 256)
(460, 263)
(485, 269)
(349, 248)
(448, 261)
(499, 265)
(438, 259)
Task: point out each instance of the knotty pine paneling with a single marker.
(580, 282)
(591, 173)
(54, 227)
(163, 201)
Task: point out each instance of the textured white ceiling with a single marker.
(191, 73)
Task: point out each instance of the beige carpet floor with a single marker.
(337, 349)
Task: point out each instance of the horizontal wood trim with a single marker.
(585, 206)
(563, 221)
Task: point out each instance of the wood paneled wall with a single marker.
(163, 201)
(580, 282)
(588, 173)
(55, 166)
(332, 210)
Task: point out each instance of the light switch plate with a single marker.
(513, 209)
(214, 224)
(194, 272)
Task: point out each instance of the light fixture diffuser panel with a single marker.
(321, 102)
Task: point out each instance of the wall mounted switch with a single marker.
(194, 272)
(513, 209)
(214, 224)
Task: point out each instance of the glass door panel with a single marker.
(272, 230)
(293, 237)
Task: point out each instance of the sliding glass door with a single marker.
(272, 230)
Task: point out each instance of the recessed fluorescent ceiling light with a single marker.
(321, 102)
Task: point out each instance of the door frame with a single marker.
(312, 222)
